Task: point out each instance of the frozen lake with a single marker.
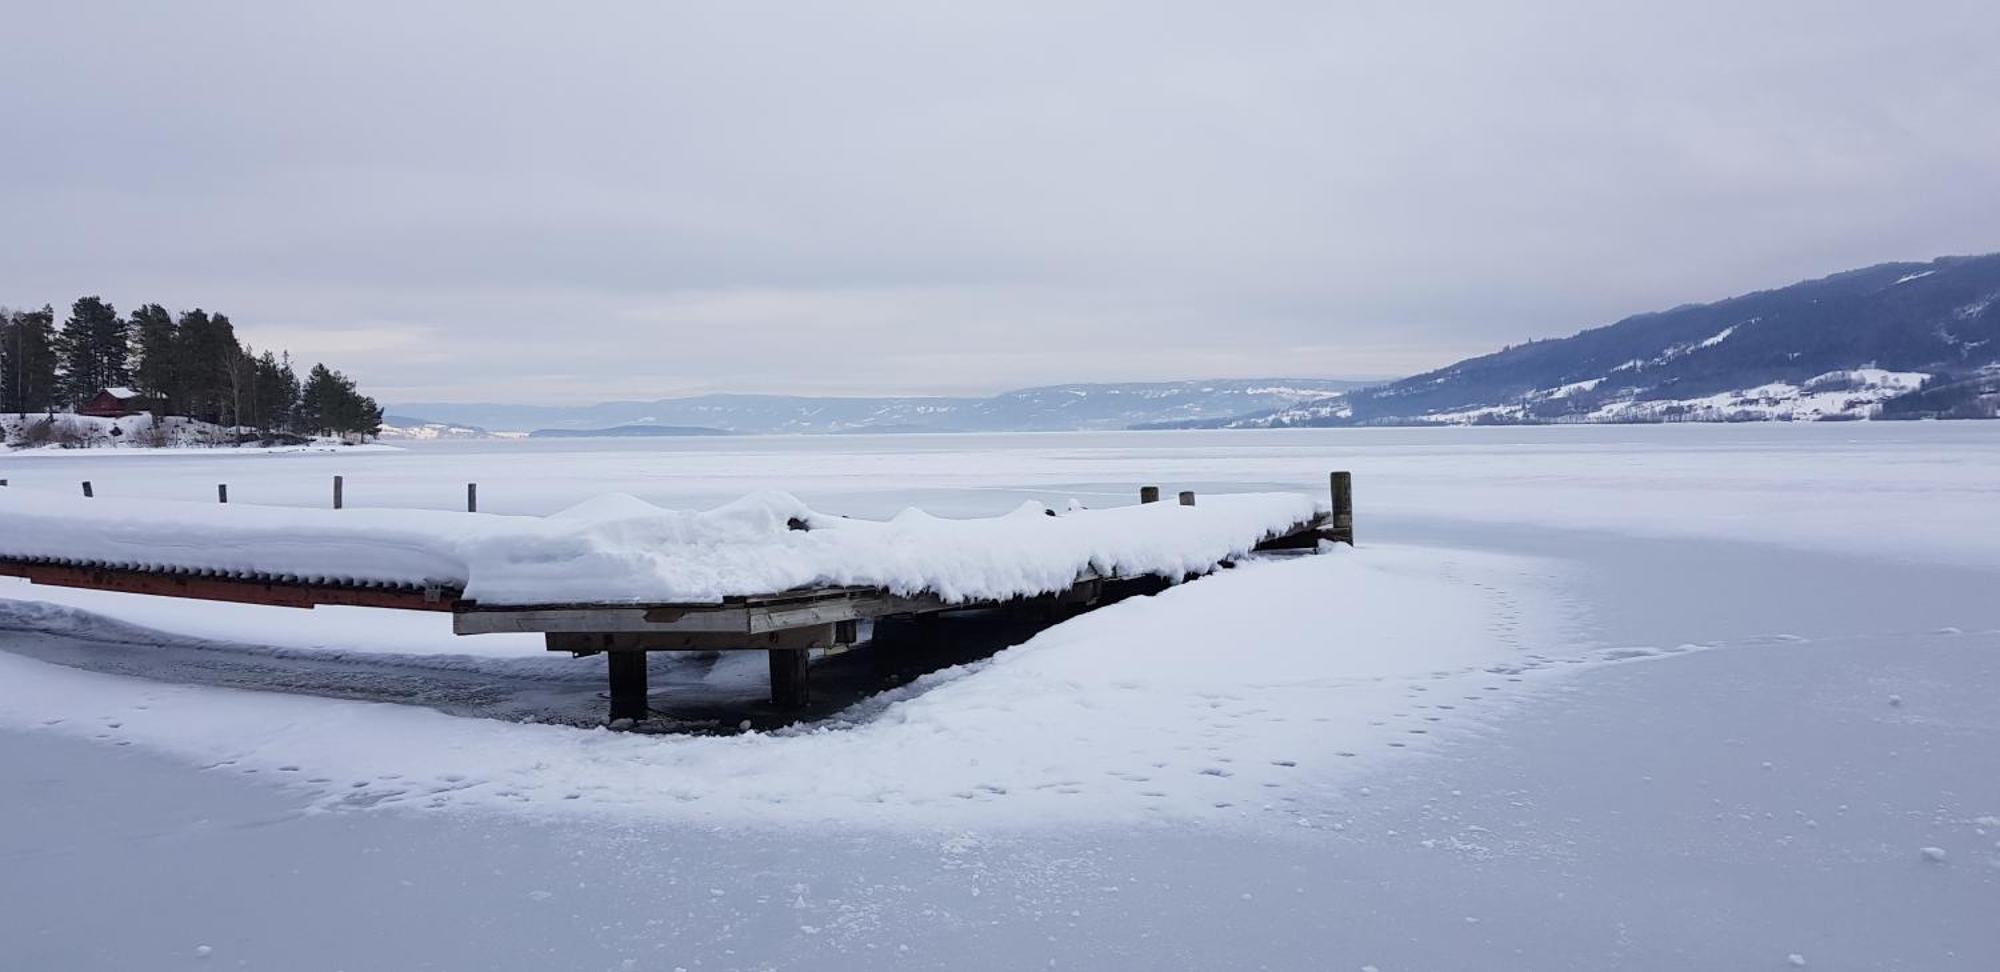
(1586, 697)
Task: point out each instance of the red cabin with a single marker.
(116, 403)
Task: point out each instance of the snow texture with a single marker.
(619, 549)
(1216, 696)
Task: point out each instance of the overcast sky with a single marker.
(575, 202)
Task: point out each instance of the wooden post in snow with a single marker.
(789, 678)
(336, 492)
(1187, 497)
(86, 489)
(471, 497)
(222, 492)
(628, 684)
(1343, 506)
(1149, 494)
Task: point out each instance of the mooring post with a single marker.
(628, 684)
(789, 670)
(1149, 494)
(3, 482)
(1187, 497)
(336, 492)
(86, 489)
(1343, 506)
(222, 492)
(471, 497)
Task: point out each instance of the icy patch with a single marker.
(1237, 697)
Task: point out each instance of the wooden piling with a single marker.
(471, 497)
(1342, 483)
(1149, 494)
(222, 492)
(628, 684)
(336, 492)
(1187, 497)
(789, 669)
(86, 489)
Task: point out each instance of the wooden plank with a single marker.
(237, 590)
(614, 642)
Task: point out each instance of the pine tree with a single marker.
(157, 373)
(330, 405)
(94, 346)
(208, 357)
(28, 361)
(277, 392)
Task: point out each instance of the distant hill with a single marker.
(1888, 341)
(405, 428)
(624, 432)
(1053, 408)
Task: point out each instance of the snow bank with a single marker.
(617, 548)
(1251, 695)
(70, 434)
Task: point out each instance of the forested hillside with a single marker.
(188, 364)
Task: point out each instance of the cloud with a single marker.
(515, 201)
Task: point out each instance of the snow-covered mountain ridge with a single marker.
(1890, 341)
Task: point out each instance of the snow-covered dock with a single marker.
(621, 576)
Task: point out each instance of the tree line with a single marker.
(188, 364)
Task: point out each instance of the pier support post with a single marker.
(222, 492)
(628, 684)
(1187, 497)
(789, 669)
(1343, 506)
(471, 497)
(1149, 494)
(337, 484)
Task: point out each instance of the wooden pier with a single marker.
(787, 625)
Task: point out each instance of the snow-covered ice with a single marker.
(1541, 693)
(1207, 701)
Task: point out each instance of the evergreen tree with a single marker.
(270, 391)
(209, 356)
(157, 373)
(94, 346)
(277, 392)
(28, 361)
(330, 405)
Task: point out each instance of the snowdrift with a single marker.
(619, 549)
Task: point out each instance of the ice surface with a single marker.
(1653, 614)
(1209, 701)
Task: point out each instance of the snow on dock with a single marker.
(620, 576)
(617, 549)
